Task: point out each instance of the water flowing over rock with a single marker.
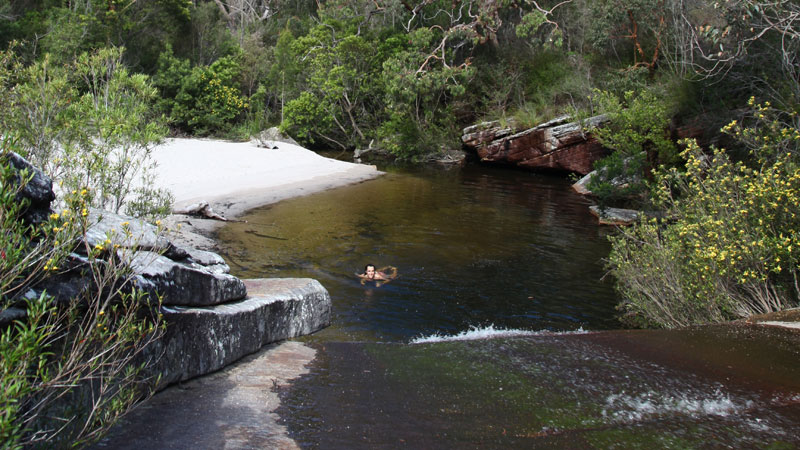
(555, 145)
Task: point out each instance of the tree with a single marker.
(91, 125)
(342, 72)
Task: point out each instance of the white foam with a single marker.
(626, 408)
(488, 332)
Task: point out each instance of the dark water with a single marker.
(473, 247)
(419, 363)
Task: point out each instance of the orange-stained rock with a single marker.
(558, 144)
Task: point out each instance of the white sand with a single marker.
(234, 177)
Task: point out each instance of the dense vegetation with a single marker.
(87, 87)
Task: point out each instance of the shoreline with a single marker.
(236, 177)
(272, 175)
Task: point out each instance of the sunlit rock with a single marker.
(186, 284)
(202, 340)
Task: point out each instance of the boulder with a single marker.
(620, 182)
(9, 315)
(38, 190)
(270, 137)
(556, 145)
(581, 187)
(201, 340)
(209, 260)
(615, 216)
(129, 232)
(184, 283)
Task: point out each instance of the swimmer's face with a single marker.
(370, 272)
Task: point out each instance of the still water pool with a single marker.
(421, 362)
(473, 247)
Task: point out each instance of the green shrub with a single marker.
(88, 124)
(638, 136)
(209, 99)
(67, 370)
(730, 247)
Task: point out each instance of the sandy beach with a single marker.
(234, 177)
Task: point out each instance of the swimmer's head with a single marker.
(369, 270)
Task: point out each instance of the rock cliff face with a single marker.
(212, 317)
(555, 145)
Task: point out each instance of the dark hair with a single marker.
(368, 266)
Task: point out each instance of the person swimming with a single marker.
(380, 277)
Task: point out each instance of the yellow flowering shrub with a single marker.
(729, 245)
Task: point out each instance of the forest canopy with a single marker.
(408, 75)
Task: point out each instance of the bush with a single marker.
(729, 248)
(638, 137)
(207, 99)
(67, 369)
(89, 124)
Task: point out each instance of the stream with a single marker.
(500, 330)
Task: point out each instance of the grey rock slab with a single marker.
(9, 315)
(201, 340)
(185, 284)
(208, 259)
(129, 232)
(230, 409)
(615, 216)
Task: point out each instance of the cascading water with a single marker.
(489, 336)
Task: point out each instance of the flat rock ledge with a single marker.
(200, 340)
(615, 216)
(559, 144)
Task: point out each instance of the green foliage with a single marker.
(57, 356)
(638, 137)
(342, 72)
(209, 99)
(418, 93)
(730, 247)
(89, 124)
(304, 116)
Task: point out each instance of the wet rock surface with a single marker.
(232, 409)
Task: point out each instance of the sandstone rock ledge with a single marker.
(200, 340)
(212, 318)
(558, 144)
